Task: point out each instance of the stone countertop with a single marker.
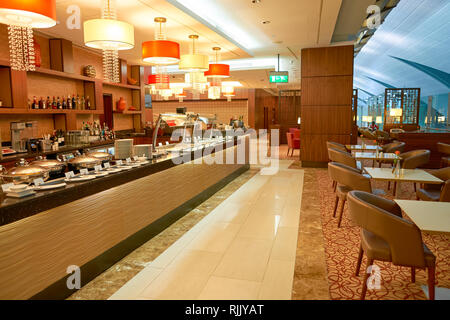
(12, 209)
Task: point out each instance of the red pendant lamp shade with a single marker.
(37, 13)
(159, 80)
(161, 52)
(218, 70)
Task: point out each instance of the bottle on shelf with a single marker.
(78, 102)
(34, 105)
(44, 103)
(58, 104)
(64, 103)
(88, 103)
(69, 102)
(74, 102)
(82, 103)
(48, 103)
(41, 103)
(54, 105)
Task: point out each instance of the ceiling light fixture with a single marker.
(109, 35)
(217, 71)
(21, 17)
(160, 51)
(196, 64)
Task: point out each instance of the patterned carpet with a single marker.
(342, 247)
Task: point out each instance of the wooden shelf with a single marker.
(128, 112)
(60, 74)
(47, 111)
(121, 85)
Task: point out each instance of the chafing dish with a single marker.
(84, 162)
(25, 173)
(103, 156)
(56, 167)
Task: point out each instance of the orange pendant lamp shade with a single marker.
(161, 81)
(218, 70)
(28, 13)
(161, 52)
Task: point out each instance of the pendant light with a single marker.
(195, 64)
(21, 17)
(160, 51)
(194, 61)
(109, 35)
(218, 70)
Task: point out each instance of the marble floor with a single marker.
(245, 248)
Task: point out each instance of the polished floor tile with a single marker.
(219, 288)
(246, 259)
(243, 249)
(277, 283)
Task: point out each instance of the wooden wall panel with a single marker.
(320, 62)
(326, 112)
(312, 150)
(326, 119)
(325, 91)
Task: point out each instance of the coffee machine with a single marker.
(18, 143)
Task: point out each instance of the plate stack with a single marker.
(123, 148)
(143, 150)
(20, 191)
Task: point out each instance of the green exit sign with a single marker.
(279, 77)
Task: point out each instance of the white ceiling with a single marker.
(294, 24)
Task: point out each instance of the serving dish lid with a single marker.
(84, 159)
(25, 169)
(48, 163)
(99, 154)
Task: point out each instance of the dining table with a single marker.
(429, 216)
(362, 148)
(376, 156)
(405, 175)
(432, 218)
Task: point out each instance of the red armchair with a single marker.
(293, 144)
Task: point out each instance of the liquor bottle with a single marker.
(69, 102)
(34, 105)
(54, 105)
(64, 103)
(44, 104)
(82, 103)
(88, 103)
(48, 103)
(58, 104)
(74, 102)
(79, 107)
(41, 103)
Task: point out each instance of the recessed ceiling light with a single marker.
(266, 22)
(256, 1)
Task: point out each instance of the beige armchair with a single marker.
(412, 160)
(392, 148)
(346, 158)
(335, 145)
(444, 148)
(347, 179)
(386, 236)
(434, 192)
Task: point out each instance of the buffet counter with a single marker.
(10, 160)
(96, 223)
